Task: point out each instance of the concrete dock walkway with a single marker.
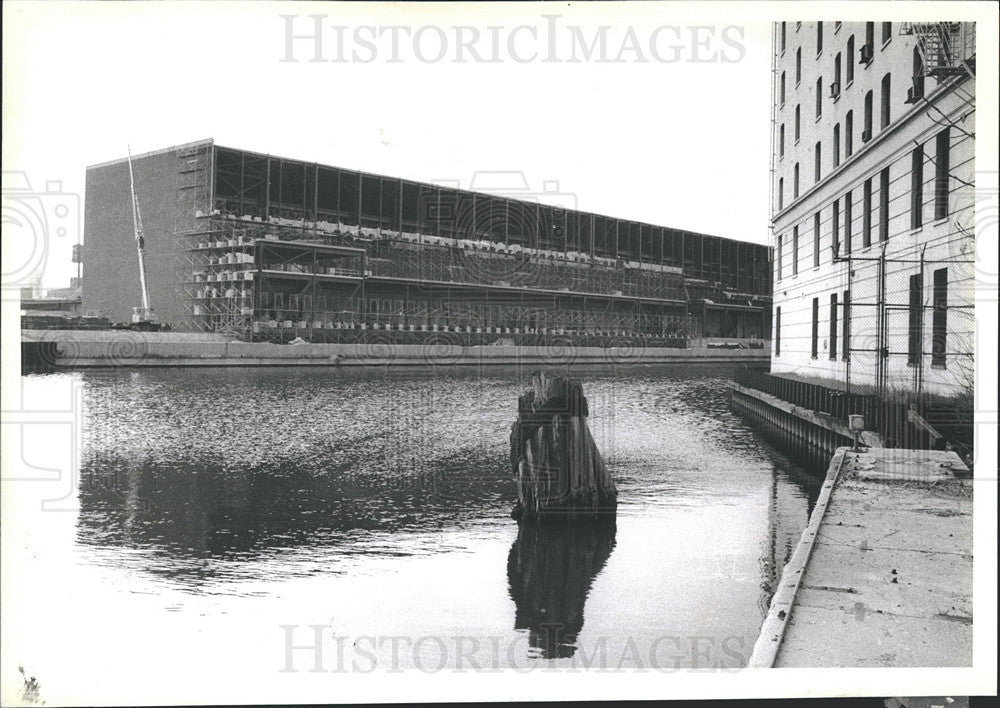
(882, 575)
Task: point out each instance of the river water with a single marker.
(224, 519)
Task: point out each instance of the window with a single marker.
(795, 183)
(781, 140)
(846, 344)
(778, 261)
(886, 97)
(916, 316)
(833, 326)
(781, 193)
(939, 324)
(918, 73)
(816, 240)
(942, 158)
(782, 88)
(777, 331)
(850, 59)
(798, 122)
(870, 34)
(819, 96)
(883, 205)
(835, 229)
(866, 134)
(795, 250)
(782, 37)
(886, 32)
(798, 66)
(815, 329)
(866, 215)
(818, 159)
(836, 146)
(849, 134)
(917, 188)
(836, 74)
(819, 37)
(848, 216)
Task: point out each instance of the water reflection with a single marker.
(550, 569)
(187, 509)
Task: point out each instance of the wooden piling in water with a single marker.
(560, 472)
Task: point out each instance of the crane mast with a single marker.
(144, 313)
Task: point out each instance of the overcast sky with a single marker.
(667, 123)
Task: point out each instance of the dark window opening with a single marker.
(815, 328)
(833, 326)
(846, 344)
(917, 188)
(849, 134)
(848, 217)
(883, 205)
(866, 214)
(942, 165)
(795, 250)
(886, 99)
(916, 317)
(777, 331)
(816, 240)
(940, 318)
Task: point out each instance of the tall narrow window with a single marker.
(781, 193)
(850, 59)
(815, 328)
(886, 32)
(866, 215)
(917, 188)
(883, 205)
(781, 141)
(918, 73)
(782, 88)
(836, 74)
(866, 134)
(848, 218)
(849, 134)
(942, 166)
(798, 66)
(870, 34)
(782, 37)
(795, 184)
(916, 317)
(833, 326)
(798, 122)
(939, 325)
(819, 37)
(817, 170)
(778, 259)
(795, 250)
(819, 96)
(816, 240)
(777, 331)
(846, 344)
(886, 99)
(836, 145)
(835, 228)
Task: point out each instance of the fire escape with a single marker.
(946, 48)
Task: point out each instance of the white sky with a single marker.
(680, 144)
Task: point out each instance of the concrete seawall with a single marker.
(86, 349)
(882, 575)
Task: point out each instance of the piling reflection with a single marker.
(550, 568)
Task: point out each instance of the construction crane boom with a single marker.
(145, 313)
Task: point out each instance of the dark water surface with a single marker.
(229, 510)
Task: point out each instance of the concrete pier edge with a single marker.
(772, 631)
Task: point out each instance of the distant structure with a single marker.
(872, 208)
(272, 249)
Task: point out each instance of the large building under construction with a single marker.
(268, 248)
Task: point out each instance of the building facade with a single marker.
(873, 182)
(273, 249)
